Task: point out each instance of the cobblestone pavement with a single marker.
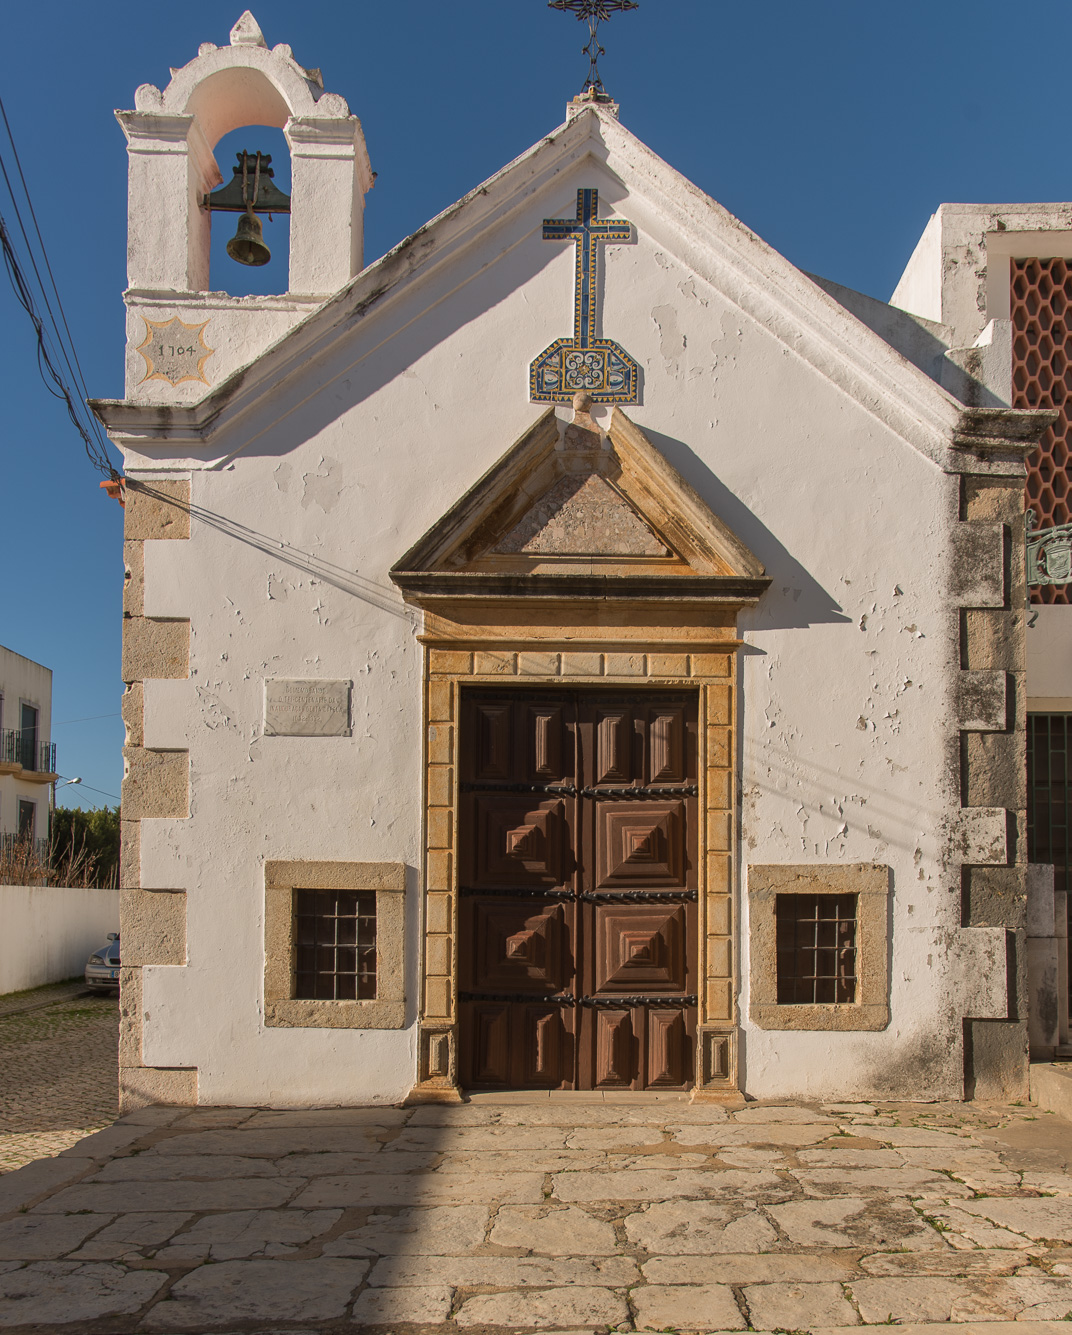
(58, 1058)
(551, 1216)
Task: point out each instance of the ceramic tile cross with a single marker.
(598, 366)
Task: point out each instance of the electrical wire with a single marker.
(62, 723)
(93, 439)
(90, 787)
(76, 370)
(97, 457)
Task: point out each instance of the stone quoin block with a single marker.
(140, 1086)
(130, 1016)
(155, 648)
(129, 853)
(133, 579)
(154, 926)
(978, 570)
(981, 701)
(132, 710)
(995, 769)
(996, 1060)
(999, 499)
(994, 896)
(994, 640)
(156, 783)
(986, 978)
(156, 509)
(979, 836)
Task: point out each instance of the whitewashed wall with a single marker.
(47, 932)
(847, 735)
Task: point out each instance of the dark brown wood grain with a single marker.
(578, 880)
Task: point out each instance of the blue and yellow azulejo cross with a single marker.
(596, 366)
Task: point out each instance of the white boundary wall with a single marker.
(47, 932)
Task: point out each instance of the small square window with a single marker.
(819, 946)
(335, 945)
(816, 942)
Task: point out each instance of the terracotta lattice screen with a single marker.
(1041, 308)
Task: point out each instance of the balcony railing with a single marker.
(23, 748)
(22, 844)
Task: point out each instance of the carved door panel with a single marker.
(577, 858)
(638, 905)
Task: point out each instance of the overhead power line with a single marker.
(49, 301)
(62, 723)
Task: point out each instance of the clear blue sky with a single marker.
(832, 129)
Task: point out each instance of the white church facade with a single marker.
(576, 651)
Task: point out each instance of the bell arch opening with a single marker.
(226, 274)
(233, 98)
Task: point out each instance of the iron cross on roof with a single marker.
(594, 12)
(584, 362)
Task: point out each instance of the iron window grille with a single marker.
(1048, 793)
(816, 948)
(335, 945)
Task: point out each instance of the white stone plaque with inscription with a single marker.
(306, 707)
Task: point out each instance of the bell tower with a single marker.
(184, 335)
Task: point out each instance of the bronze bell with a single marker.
(247, 245)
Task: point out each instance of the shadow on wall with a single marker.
(386, 598)
(335, 382)
(795, 600)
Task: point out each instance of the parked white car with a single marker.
(102, 967)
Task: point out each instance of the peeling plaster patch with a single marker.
(282, 474)
(688, 289)
(671, 340)
(319, 488)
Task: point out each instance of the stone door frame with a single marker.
(708, 668)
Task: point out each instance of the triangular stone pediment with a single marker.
(582, 515)
(581, 510)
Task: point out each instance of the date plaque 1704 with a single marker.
(174, 351)
(306, 707)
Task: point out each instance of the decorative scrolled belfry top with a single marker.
(216, 86)
(226, 88)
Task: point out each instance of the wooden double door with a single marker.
(578, 890)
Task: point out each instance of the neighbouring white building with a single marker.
(990, 286)
(27, 756)
(577, 650)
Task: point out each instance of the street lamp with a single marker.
(56, 785)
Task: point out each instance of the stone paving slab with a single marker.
(467, 1220)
